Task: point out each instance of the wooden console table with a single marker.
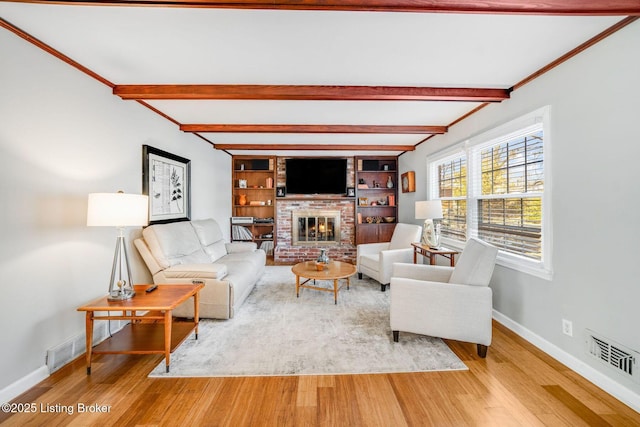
(152, 329)
(431, 253)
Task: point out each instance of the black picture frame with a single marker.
(166, 179)
(281, 191)
(351, 192)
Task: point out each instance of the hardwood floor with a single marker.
(515, 385)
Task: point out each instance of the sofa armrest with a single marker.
(147, 256)
(234, 247)
(434, 273)
(196, 271)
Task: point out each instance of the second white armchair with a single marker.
(376, 259)
(446, 302)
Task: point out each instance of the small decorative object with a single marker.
(351, 192)
(363, 201)
(242, 183)
(281, 191)
(269, 182)
(385, 167)
(389, 182)
(408, 182)
(242, 199)
(241, 166)
(389, 218)
(269, 202)
(323, 260)
(369, 220)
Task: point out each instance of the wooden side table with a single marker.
(431, 253)
(161, 335)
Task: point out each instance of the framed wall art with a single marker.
(166, 179)
(408, 182)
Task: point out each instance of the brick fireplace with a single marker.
(289, 252)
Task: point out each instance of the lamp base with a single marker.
(429, 235)
(120, 289)
(121, 296)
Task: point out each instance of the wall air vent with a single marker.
(622, 359)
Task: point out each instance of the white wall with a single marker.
(595, 108)
(64, 135)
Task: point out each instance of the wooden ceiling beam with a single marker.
(310, 147)
(521, 7)
(360, 129)
(309, 93)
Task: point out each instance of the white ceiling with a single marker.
(155, 45)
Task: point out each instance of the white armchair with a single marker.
(376, 259)
(447, 302)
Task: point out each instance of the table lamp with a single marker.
(118, 210)
(429, 210)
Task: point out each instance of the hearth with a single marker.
(310, 227)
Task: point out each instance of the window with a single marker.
(493, 187)
(451, 180)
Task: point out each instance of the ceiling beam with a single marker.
(381, 129)
(524, 7)
(310, 93)
(308, 147)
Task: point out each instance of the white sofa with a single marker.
(195, 251)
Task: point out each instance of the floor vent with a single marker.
(615, 355)
(64, 353)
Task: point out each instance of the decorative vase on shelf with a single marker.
(242, 199)
(389, 182)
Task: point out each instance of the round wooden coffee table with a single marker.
(335, 271)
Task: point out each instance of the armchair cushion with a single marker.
(475, 264)
(404, 235)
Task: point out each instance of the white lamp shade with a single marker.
(117, 209)
(429, 209)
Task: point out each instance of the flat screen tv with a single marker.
(316, 175)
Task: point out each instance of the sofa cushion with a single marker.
(210, 237)
(174, 243)
(196, 271)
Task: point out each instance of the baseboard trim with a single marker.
(617, 390)
(15, 389)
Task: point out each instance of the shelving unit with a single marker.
(254, 195)
(376, 202)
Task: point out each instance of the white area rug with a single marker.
(275, 333)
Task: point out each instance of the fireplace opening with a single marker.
(315, 226)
